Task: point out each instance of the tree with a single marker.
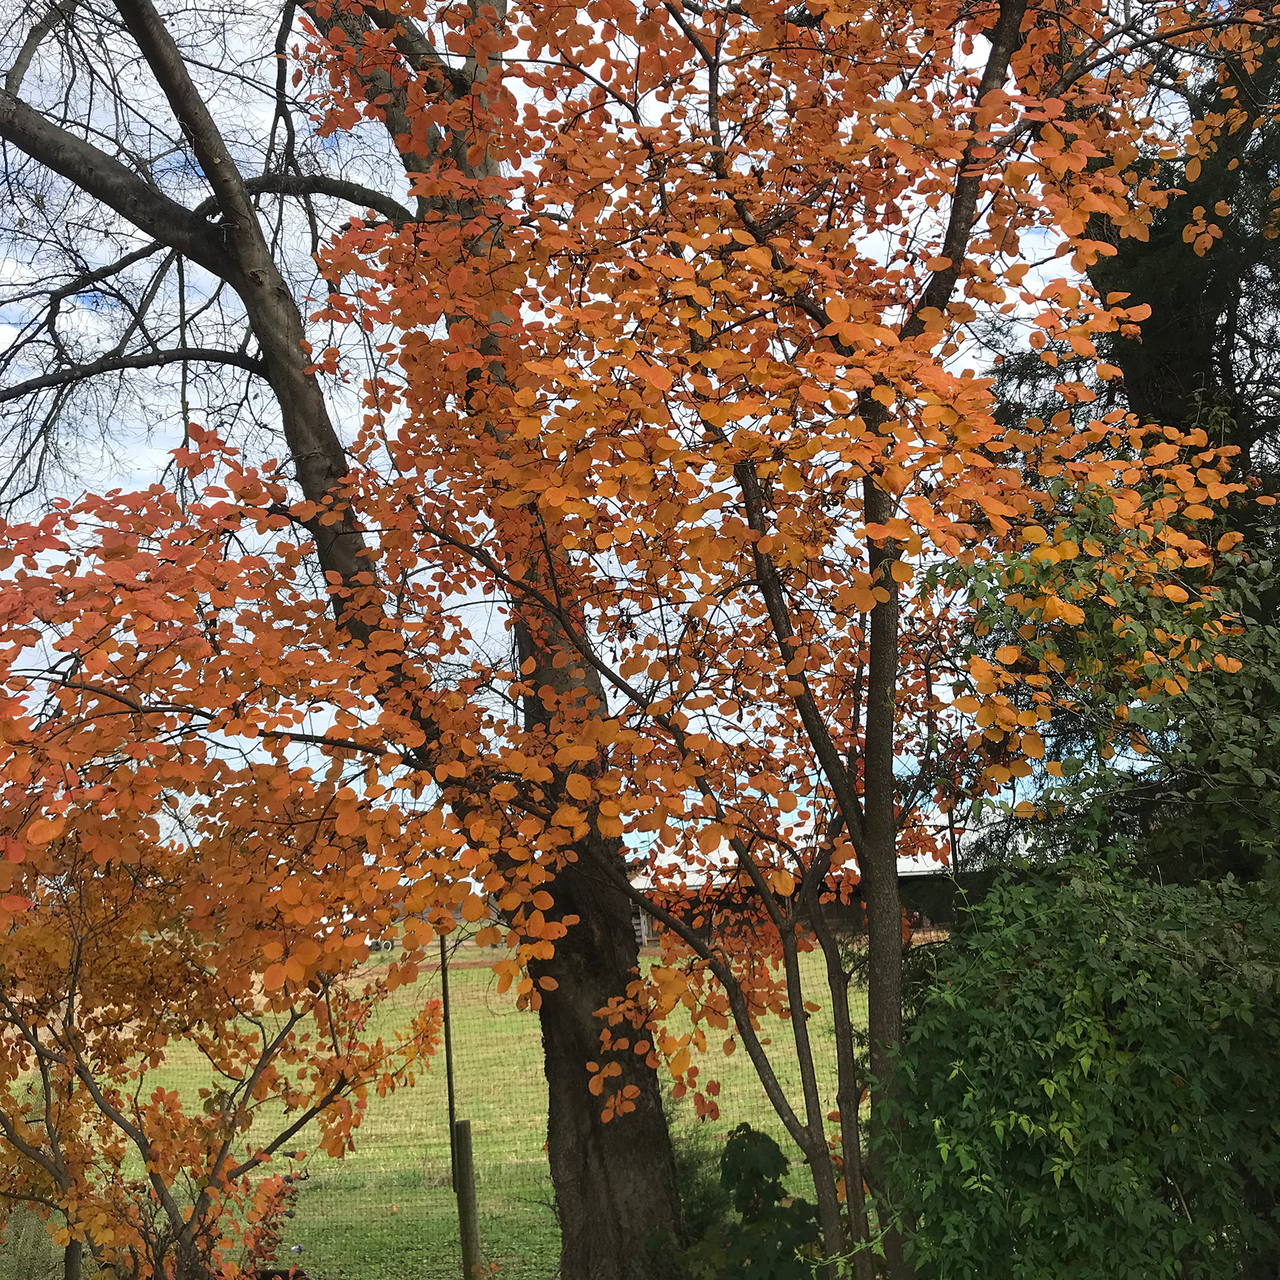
(1198, 805)
(1177, 759)
(1207, 268)
(120, 947)
(1209, 272)
(663, 369)
(229, 276)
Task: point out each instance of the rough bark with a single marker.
(615, 1181)
(617, 1198)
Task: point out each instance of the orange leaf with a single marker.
(42, 830)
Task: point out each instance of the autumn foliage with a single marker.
(157, 898)
(668, 445)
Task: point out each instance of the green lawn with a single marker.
(387, 1212)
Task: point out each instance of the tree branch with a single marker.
(114, 184)
(35, 37)
(319, 184)
(141, 360)
(273, 312)
(1005, 38)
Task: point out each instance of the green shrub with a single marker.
(1089, 1087)
(703, 1198)
(775, 1236)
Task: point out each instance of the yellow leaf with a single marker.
(782, 882)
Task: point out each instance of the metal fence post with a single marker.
(448, 1063)
(468, 1209)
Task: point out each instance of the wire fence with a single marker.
(388, 1210)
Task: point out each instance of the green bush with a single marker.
(1089, 1086)
(703, 1198)
(775, 1236)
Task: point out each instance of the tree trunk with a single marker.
(848, 1083)
(72, 1260)
(615, 1180)
(880, 860)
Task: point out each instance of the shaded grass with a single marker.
(27, 1252)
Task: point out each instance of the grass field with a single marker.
(387, 1211)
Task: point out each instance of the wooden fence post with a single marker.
(468, 1209)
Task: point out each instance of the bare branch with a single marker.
(319, 184)
(141, 360)
(57, 13)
